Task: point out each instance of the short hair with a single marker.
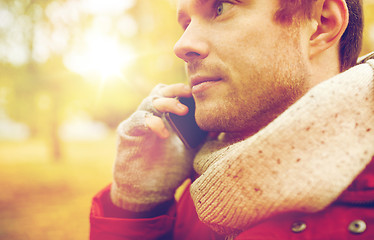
(351, 41)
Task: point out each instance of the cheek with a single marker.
(246, 50)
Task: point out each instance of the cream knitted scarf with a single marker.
(302, 161)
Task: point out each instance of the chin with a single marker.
(213, 115)
(209, 123)
(204, 122)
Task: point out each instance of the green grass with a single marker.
(41, 199)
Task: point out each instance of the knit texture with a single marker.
(147, 169)
(302, 161)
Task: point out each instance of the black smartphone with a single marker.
(185, 126)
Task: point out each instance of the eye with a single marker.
(221, 7)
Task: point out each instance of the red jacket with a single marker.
(350, 217)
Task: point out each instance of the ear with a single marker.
(332, 18)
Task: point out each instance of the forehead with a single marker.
(191, 3)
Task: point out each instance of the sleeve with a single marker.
(107, 221)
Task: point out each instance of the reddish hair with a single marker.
(351, 41)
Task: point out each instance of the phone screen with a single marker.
(186, 127)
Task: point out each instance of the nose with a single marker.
(192, 45)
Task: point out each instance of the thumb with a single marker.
(157, 126)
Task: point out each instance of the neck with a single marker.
(256, 123)
(324, 66)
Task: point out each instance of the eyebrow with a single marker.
(196, 4)
(201, 2)
(181, 15)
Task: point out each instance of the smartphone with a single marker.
(185, 126)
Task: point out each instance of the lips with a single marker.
(200, 80)
(200, 84)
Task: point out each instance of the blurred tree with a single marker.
(36, 96)
(65, 56)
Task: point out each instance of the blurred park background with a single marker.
(70, 71)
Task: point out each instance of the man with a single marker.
(295, 144)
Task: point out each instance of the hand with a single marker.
(151, 161)
(168, 103)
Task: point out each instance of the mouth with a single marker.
(200, 84)
(202, 80)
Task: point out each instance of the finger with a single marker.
(176, 90)
(170, 105)
(157, 126)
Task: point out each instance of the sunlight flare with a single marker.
(100, 55)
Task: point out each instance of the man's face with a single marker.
(244, 68)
